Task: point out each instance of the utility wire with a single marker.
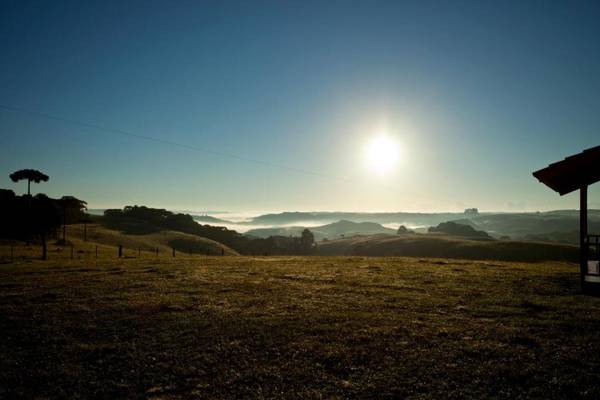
(166, 142)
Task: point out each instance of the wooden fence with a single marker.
(12, 253)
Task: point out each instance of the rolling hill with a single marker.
(444, 246)
(328, 231)
(555, 226)
(164, 240)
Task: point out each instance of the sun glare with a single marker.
(381, 154)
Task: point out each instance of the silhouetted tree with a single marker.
(31, 175)
(46, 219)
(43, 214)
(72, 211)
(307, 240)
(12, 215)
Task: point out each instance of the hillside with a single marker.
(287, 218)
(283, 231)
(556, 226)
(461, 230)
(296, 328)
(140, 219)
(164, 240)
(358, 240)
(553, 225)
(349, 228)
(328, 231)
(418, 245)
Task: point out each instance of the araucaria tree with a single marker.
(31, 175)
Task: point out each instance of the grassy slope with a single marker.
(292, 327)
(332, 230)
(447, 246)
(108, 240)
(162, 239)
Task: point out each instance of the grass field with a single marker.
(445, 246)
(294, 327)
(106, 241)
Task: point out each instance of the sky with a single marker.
(271, 106)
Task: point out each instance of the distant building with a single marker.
(471, 211)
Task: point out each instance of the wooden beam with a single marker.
(583, 230)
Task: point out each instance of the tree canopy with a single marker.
(307, 240)
(73, 209)
(24, 216)
(31, 175)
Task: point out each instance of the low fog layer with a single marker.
(556, 226)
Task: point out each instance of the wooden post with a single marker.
(173, 251)
(44, 248)
(583, 227)
(85, 232)
(120, 251)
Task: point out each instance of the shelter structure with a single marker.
(578, 172)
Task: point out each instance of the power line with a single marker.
(166, 142)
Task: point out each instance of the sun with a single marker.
(381, 154)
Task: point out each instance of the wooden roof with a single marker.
(573, 172)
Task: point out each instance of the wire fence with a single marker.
(14, 252)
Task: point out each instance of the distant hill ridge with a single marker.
(286, 218)
(556, 225)
(461, 230)
(327, 231)
(361, 238)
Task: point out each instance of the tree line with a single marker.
(37, 218)
(274, 245)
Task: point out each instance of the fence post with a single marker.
(173, 251)
(44, 249)
(222, 251)
(120, 251)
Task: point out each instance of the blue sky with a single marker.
(476, 96)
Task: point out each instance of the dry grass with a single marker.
(436, 245)
(293, 327)
(107, 240)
